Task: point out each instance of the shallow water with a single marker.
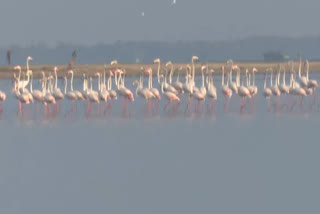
(254, 162)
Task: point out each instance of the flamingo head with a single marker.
(17, 67)
(135, 82)
(229, 62)
(157, 61)
(204, 67)
(114, 62)
(55, 68)
(235, 67)
(29, 58)
(148, 70)
(70, 72)
(118, 71)
(169, 63)
(254, 70)
(97, 74)
(194, 58)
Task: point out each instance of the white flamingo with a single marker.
(57, 93)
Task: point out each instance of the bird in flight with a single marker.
(174, 2)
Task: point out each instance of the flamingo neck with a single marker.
(109, 82)
(307, 70)
(265, 81)
(99, 83)
(71, 82)
(177, 80)
(83, 85)
(300, 68)
(27, 64)
(170, 75)
(19, 76)
(222, 78)
(162, 85)
(202, 79)
(118, 83)
(56, 78)
(104, 79)
(247, 79)
(150, 79)
(31, 83)
(65, 85)
(158, 73)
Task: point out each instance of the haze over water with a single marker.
(229, 163)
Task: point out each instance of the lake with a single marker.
(256, 161)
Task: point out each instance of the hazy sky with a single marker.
(90, 22)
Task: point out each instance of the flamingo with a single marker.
(233, 85)
(2, 99)
(57, 93)
(36, 94)
(93, 95)
(226, 91)
(193, 59)
(144, 93)
(20, 96)
(168, 86)
(177, 84)
(22, 83)
(212, 90)
(103, 93)
(244, 92)
(84, 86)
(113, 93)
(168, 95)
(24, 90)
(49, 98)
(267, 93)
(311, 83)
(158, 61)
(155, 91)
(70, 95)
(123, 91)
(254, 89)
(187, 86)
(77, 93)
(302, 80)
(284, 88)
(274, 88)
(201, 94)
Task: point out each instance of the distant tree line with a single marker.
(250, 49)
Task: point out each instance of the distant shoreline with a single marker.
(6, 72)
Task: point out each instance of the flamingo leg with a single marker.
(242, 105)
(188, 105)
(1, 111)
(225, 106)
(166, 106)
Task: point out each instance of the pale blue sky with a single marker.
(89, 22)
